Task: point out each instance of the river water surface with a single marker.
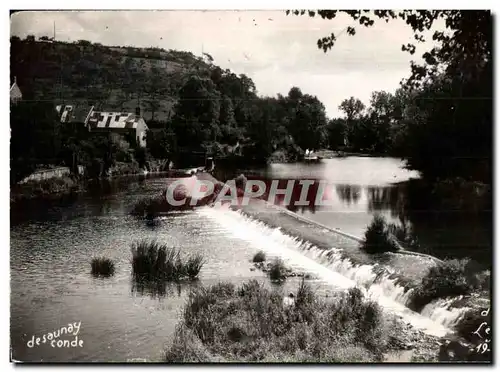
(51, 284)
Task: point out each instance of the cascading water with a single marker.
(336, 271)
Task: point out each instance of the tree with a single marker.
(353, 108)
(308, 125)
(197, 112)
(336, 132)
(469, 44)
(35, 137)
(446, 128)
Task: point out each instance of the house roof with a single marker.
(15, 92)
(114, 120)
(75, 113)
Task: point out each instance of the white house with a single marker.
(118, 122)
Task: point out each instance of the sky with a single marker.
(275, 50)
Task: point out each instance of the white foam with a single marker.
(332, 269)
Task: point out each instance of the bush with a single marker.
(252, 324)
(278, 270)
(148, 208)
(378, 238)
(154, 261)
(102, 266)
(260, 256)
(448, 278)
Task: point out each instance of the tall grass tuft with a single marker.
(154, 261)
(378, 237)
(149, 208)
(102, 266)
(260, 256)
(252, 324)
(193, 265)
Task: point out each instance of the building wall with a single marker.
(140, 132)
(51, 173)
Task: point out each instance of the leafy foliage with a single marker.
(253, 324)
(260, 256)
(378, 237)
(446, 279)
(440, 121)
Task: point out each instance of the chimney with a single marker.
(138, 111)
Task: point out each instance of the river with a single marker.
(52, 245)
(360, 187)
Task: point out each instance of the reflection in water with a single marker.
(440, 231)
(349, 194)
(158, 288)
(363, 187)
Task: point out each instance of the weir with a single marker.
(332, 266)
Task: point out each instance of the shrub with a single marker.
(378, 238)
(154, 206)
(154, 261)
(251, 324)
(305, 294)
(149, 208)
(260, 256)
(277, 270)
(448, 278)
(102, 266)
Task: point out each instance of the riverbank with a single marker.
(255, 323)
(66, 186)
(50, 189)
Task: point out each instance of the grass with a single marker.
(278, 270)
(102, 266)
(154, 261)
(378, 237)
(251, 323)
(446, 279)
(260, 256)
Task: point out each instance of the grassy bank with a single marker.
(47, 188)
(253, 323)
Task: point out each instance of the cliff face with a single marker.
(113, 78)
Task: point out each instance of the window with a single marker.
(117, 117)
(108, 121)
